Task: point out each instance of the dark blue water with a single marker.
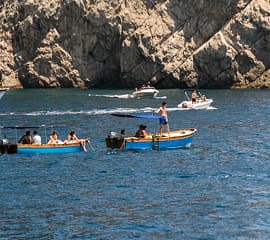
(217, 189)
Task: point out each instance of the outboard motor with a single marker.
(6, 147)
(113, 140)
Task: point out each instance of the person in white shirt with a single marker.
(36, 138)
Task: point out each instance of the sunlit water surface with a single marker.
(217, 189)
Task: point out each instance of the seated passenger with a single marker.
(26, 138)
(122, 133)
(72, 138)
(203, 98)
(54, 138)
(141, 133)
(144, 133)
(36, 138)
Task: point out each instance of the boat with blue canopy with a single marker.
(172, 140)
(13, 147)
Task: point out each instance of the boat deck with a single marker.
(171, 135)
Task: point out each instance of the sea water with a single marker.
(217, 189)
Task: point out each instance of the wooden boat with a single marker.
(173, 140)
(145, 92)
(63, 147)
(201, 103)
(50, 148)
(40, 148)
(3, 91)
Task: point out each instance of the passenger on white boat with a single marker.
(203, 98)
(194, 97)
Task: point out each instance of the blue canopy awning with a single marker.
(145, 116)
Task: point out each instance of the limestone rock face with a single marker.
(120, 43)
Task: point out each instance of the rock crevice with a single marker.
(120, 43)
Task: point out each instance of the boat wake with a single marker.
(203, 109)
(160, 97)
(122, 96)
(211, 108)
(90, 112)
(93, 111)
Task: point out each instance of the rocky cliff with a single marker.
(125, 43)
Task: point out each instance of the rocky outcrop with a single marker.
(120, 43)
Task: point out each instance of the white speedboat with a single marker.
(145, 92)
(2, 91)
(201, 101)
(198, 105)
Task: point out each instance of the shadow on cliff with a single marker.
(198, 22)
(90, 42)
(214, 68)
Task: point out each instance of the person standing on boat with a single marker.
(164, 120)
(26, 138)
(194, 97)
(36, 138)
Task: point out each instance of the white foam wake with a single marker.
(122, 96)
(93, 111)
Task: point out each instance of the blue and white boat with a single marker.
(12, 147)
(173, 140)
(50, 148)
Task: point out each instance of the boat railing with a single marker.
(5, 131)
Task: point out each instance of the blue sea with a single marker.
(217, 189)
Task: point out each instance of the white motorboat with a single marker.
(201, 101)
(2, 91)
(145, 92)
